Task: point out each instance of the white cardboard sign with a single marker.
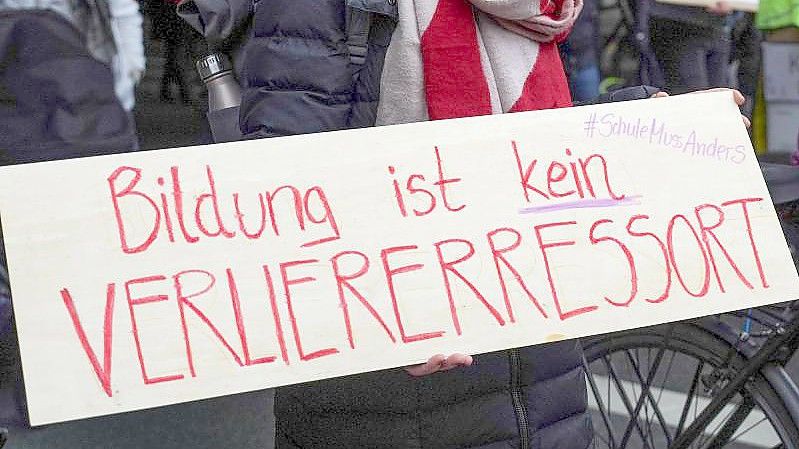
(159, 277)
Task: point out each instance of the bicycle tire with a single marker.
(689, 341)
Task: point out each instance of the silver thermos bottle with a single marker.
(224, 96)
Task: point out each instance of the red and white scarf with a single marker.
(460, 58)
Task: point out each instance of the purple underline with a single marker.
(582, 204)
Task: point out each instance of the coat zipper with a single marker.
(517, 397)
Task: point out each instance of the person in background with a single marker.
(129, 61)
(178, 40)
(692, 45)
(779, 20)
(57, 100)
(113, 34)
(746, 57)
(581, 54)
(91, 17)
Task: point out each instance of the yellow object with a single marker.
(759, 140)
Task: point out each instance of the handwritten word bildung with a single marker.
(656, 132)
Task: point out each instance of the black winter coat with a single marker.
(298, 79)
(48, 110)
(532, 397)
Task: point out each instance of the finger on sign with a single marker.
(432, 365)
(737, 95)
(455, 361)
(439, 362)
(720, 8)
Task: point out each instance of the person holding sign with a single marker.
(381, 62)
(444, 59)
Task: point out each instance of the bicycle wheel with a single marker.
(647, 385)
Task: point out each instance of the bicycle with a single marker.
(737, 393)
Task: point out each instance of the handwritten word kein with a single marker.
(574, 178)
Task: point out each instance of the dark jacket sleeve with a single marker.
(217, 20)
(224, 24)
(624, 94)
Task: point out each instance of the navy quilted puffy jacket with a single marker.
(297, 76)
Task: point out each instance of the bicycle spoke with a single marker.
(646, 392)
(656, 405)
(730, 425)
(626, 401)
(636, 364)
(605, 412)
(689, 400)
(640, 402)
(647, 412)
(749, 429)
(604, 440)
(655, 409)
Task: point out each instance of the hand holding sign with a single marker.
(739, 98)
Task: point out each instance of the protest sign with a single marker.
(159, 277)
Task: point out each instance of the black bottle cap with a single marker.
(213, 64)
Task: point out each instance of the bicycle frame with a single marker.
(785, 337)
(773, 370)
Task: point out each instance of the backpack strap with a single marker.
(358, 23)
